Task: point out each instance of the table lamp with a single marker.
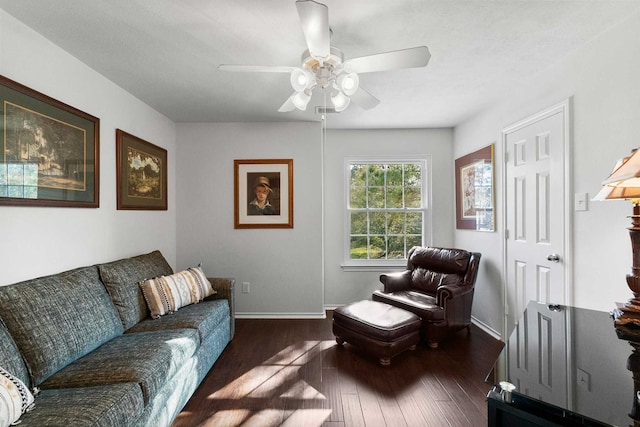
(624, 183)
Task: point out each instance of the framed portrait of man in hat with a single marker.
(263, 193)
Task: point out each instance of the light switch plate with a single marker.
(580, 201)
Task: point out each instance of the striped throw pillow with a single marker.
(166, 294)
(15, 399)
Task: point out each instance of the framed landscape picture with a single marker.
(50, 151)
(474, 191)
(263, 193)
(141, 173)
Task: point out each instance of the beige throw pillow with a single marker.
(166, 294)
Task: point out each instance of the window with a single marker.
(386, 210)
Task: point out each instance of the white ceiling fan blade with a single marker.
(288, 105)
(314, 19)
(364, 99)
(406, 58)
(256, 68)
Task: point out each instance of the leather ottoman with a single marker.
(377, 328)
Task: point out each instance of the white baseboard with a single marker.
(281, 315)
(486, 328)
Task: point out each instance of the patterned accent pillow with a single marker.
(166, 294)
(15, 399)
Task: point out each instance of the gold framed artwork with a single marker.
(475, 208)
(263, 193)
(50, 151)
(141, 173)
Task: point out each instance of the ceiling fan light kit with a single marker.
(324, 66)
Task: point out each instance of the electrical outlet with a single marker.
(246, 287)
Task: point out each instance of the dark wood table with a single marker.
(568, 366)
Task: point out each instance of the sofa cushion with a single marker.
(166, 294)
(10, 358)
(15, 398)
(56, 319)
(204, 317)
(146, 358)
(121, 279)
(104, 406)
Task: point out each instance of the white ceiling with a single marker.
(166, 52)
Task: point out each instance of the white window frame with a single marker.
(384, 264)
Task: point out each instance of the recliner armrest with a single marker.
(448, 292)
(396, 281)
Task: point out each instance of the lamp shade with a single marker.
(340, 100)
(301, 100)
(300, 79)
(348, 83)
(627, 172)
(624, 180)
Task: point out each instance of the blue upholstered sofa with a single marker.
(85, 339)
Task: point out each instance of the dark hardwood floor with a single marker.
(292, 373)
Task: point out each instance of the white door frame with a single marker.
(563, 107)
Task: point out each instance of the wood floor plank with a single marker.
(292, 373)
(352, 410)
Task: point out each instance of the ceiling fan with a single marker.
(323, 66)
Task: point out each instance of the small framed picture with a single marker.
(263, 193)
(141, 173)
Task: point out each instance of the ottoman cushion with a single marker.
(377, 328)
(377, 320)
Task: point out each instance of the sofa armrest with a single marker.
(224, 287)
(396, 281)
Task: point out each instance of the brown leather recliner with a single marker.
(438, 286)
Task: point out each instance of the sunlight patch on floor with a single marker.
(273, 388)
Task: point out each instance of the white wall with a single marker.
(344, 287)
(283, 266)
(40, 241)
(602, 79)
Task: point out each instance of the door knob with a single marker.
(553, 258)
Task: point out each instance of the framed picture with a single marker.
(50, 151)
(474, 191)
(141, 173)
(263, 193)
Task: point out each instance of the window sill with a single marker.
(374, 267)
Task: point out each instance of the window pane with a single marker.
(394, 175)
(358, 248)
(412, 175)
(358, 175)
(358, 197)
(414, 223)
(396, 247)
(396, 223)
(378, 247)
(394, 197)
(358, 223)
(376, 197)
(376, 175)
(378, 222)
(413, 241)
(413, 197)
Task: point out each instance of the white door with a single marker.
(536, 204)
